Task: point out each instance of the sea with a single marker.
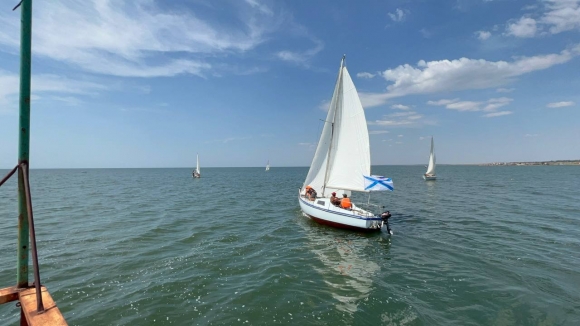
(482, 245)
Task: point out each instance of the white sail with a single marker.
(268, 166)
(197, 167)
(343, 153)
(431, 167)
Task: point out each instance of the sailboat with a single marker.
(430, 174)
(342, 164)
(197, 173)
(268, 166)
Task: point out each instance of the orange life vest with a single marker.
(345, 203)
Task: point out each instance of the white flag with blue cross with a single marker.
(378, 183)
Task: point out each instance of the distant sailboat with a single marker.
(197, 172)
(430, 174)
(268, 166)
(341, 164)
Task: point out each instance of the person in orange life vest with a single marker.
(310, 193)
(345, 202)
(334, 200)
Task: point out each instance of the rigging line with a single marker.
(18, 5)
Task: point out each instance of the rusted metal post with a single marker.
(39, 306)
(24, 140)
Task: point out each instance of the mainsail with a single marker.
(342, 157)
(197, 167)
(431, 167)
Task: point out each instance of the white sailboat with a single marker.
(430, 174)
(342, 163)
(197, 171)
(268, 166)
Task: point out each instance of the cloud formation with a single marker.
(483, 35)
(560, 104)
(491, 105)
(41, 84)
(555, 16)
(136, 38)
(461, 74)
(524, 27)
(399, 15)
(407, 118)
(367, 75)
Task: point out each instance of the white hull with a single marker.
(429, 178)
(323, 212)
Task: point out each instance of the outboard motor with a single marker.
(385, 217)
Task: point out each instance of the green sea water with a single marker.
(479, 246)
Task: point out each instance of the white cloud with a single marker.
(461, 74)
(556, 16)
(399, 136)
(136, 38)
(559, 104)
(561, 15)
(505, 90)
(301, 58)
(483, 35)
(400, 107)
(531, 135)
(525, 27)
(45, 84)
(442, 102)
(324, 105)
(407, 118)
(497, 114)
(367, 75)
(490, 105)
(399, 15)
(263, 8)
(422, 138)
(378, 132)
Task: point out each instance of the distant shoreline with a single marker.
(558, 162)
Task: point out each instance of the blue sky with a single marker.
(147, 83)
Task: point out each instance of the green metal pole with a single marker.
(24, 140)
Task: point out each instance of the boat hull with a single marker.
(429, 177)
(323, 212)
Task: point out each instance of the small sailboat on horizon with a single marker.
(342, 164)
(268, 166)
(197, 173)
(430, 174)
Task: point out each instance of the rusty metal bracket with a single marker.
(8, 175)
(37, 285)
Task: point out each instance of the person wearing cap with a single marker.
(334, 200)
(345, 202)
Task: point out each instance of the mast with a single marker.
(332, 126)
(24, 141)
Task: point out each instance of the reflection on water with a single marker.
(345, 267)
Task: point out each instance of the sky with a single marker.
(147, 83)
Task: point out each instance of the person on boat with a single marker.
(310, 193)
(345, 202)
(334, 200)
